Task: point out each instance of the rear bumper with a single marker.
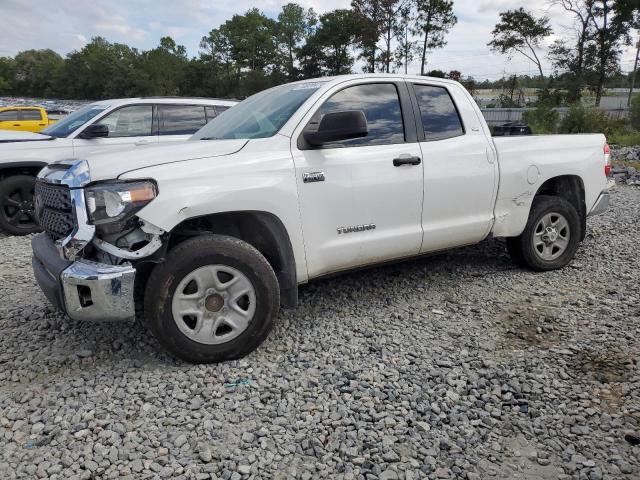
(84, 290)
(601, 205)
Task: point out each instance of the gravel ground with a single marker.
(455, 366)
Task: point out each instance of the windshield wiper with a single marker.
(211, 138)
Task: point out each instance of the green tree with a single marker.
(433, 21)
(407, 47)
(37, 73)
(294, 25)
(390, 26)
(368, 14)
(164, 68)
(572, 57)
(609, 32)
(520, 32)
(336, 36)
(104, 70)
(6, 75)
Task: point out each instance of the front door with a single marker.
(31, 120)
(128, 126)
(358, 205)
(460, 173)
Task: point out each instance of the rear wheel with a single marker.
(17, 213)
(551, 237)
(215, 298)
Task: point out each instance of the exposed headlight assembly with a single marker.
(118, 201)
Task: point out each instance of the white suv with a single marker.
(96, 127)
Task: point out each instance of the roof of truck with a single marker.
(168, 100)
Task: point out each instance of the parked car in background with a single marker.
(297, 182)
(25, 119)
(97, 127)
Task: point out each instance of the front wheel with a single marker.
(17, 215)
(552, 235)
(214, 298)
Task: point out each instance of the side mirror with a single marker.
(95, 131)
(338, 126)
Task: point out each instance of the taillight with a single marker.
(607, 159)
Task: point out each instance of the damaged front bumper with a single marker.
(83, 289)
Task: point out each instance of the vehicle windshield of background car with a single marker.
(259, 116)
(70, 124)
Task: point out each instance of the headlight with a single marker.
(115, 202)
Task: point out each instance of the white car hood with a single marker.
(7, 136)
(110, 165)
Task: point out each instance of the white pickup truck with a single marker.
(99, 126)
(209, 237)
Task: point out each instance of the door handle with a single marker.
(408, 160)
(16, 125)
(141, 142)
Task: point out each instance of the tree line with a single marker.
(250, 52)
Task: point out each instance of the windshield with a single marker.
(260, 115)
(70, 124)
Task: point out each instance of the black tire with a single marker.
(184, 259)
(17, 215)
(522, 249)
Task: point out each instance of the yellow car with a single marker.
(26, 119)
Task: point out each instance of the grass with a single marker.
(627, 163)
(625, 139)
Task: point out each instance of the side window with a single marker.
(213, 112)
(30, 115)
(181, 119)
(440, 117)
(132, 121)
(9, 116)
(381, 106)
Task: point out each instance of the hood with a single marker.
(10, 136)
(110, 165)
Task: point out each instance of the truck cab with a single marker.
(24, 119)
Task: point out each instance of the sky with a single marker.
(67, 25)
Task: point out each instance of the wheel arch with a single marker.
(263, 230)
(571, 188)
(20, 168)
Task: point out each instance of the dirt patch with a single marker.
(530, 326)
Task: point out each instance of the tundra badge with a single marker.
(356, 228)
(313, 177)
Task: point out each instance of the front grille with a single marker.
(53, 209)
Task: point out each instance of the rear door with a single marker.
(31, 119)
(9, 120)
(179, 122)
(128, 126)
(460, 173)
(357, 205)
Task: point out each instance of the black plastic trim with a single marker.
(47, 267)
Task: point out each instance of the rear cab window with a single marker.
(31, 114)
(181, 119)
(440, 117)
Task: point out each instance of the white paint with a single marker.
(466, 187)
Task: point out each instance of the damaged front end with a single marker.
(93, 240)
